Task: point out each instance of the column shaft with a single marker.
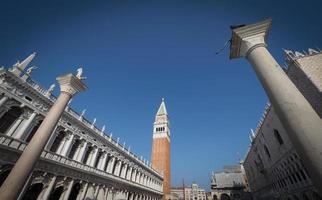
(3, 100)
(81, 152)
(302, 123)
(18, 175)
(67, 145)
(25, 126)
(93, 157)
(69, 189)
(49, 188)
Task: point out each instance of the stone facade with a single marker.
(80, 161)
(273, 167)
(161, 148)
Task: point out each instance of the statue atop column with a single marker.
(79, 74)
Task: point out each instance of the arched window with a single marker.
(7, 120)
(278, 137)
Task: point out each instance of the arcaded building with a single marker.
(80, 161)
(273, 167)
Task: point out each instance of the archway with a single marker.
(33, 192)
(224, 197)
(214, 197)
(56, 193)
(75, 190)
(8, 119)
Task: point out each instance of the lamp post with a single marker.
(11, 188)
(302, 123)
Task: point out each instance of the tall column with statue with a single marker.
(302, 123)
(12, 186)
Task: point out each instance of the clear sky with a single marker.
(136, 52)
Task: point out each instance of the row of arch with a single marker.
(51, 187)
(16, 123)
(80, 150)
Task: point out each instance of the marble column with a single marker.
(83, 191)
(3, 100)
(111, 165)
(133, 175)
(25, 126)
(93, 156)
(68, 144)
(15, 126)
(118, 168)
(49, 188)
(13, 184)
(123, 175)
(103, 161)
(68, 191)
(303, 125)
(82, 151)
(129, 173)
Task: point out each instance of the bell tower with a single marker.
(161, 147)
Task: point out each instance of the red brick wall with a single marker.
(161, 161)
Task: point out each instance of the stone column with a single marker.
(123, 175)
(25, 126)
(103, 161)
(84, 190)
(13, 184)
(129, 173)
(3, 100)
(49, 188)
(82, 151)
(69, 189)
(111, 165)
(133, 175)
(67, 145)
(118, 168)
(93, 156)
(302, 123)
(14, 127)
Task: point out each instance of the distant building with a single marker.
(229, 184)
(273, 167)
(188, 193)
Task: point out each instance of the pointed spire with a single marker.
(162, 109)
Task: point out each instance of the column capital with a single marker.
(71, 84)
(247, 37)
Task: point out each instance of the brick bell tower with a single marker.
(161, 147)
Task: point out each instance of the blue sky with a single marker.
(136, 52)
